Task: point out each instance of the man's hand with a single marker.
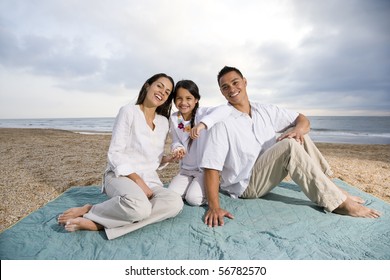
(215, 217)
(293, 134)
(302, 127)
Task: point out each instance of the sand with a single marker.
(37, 165)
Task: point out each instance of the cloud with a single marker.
(304, 55)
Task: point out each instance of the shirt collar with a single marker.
(236, 113)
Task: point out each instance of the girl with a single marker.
(186, 125)
(137, 196)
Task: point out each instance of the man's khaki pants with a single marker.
(306, 167)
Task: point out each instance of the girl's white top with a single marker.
(209, 116)
(135, 147)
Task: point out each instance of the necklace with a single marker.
(181, 125)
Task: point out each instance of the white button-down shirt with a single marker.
(135, 147)
(209, 116)
(234, 145)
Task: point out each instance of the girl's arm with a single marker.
(176, 141)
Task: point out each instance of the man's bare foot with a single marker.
(73, 213)
(357, 199)
(82, 224)
(354, 198)
(352, 208)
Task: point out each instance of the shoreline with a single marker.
(39, 164)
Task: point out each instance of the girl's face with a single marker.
(158, 91)
(185, 102)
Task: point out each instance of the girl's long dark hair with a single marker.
(194, 90)
(164, 109)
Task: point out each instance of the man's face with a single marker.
(233, 87)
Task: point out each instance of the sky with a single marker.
(88, 58)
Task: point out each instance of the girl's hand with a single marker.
(195, 131)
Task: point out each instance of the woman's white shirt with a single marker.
(135, 147)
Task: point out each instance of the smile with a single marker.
(233, 94)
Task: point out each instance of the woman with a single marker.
(137, 196)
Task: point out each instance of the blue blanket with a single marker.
(283, 225)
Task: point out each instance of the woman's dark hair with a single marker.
(226, 70)
(164, 109)
(194, 90)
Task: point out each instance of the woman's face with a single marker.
(158, 91)
(185, 102)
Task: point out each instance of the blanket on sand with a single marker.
(283, 225)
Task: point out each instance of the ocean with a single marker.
(346, 129)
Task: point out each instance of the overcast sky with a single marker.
(72, 58)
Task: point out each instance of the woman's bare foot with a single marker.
(73, 213)
(82, 224)
(352, 208)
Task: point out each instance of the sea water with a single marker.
(348, 129)
(345, 129)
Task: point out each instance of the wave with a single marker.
(331, 132)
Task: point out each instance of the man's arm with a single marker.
(302, 126)
(214, 215)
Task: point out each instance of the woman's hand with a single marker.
(178, 153)
(141, 183)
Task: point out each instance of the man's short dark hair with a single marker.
(226, 70)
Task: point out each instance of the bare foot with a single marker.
(73, 213)
(352, 208)
(82, 224)
(357, 199)
(354, 198)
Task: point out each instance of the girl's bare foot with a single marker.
(73, 213)
(352, 208)
(82, 224)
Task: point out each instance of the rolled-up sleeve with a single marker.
(213, 115)
(121, 133)
(216, 148)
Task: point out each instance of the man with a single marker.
(244, 151)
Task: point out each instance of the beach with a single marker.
(37, 165)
